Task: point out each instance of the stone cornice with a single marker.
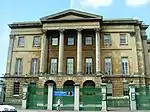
(35, 24)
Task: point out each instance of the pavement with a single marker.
(109, 110)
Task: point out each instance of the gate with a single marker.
(66, 96)
(143, 97)
(37, 97)
(90, 99)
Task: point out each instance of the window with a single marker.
(53, 66)
(123, 39)
(71, 40)
(125, 67)
(70, 66)
(54, 41)
(108, 66)
(21, 41)
(88, 65)
(16, 88)
(19, 66)
(109, 89)
(88, 40)
(35, 67)
(125, 89)
(107, 39)
(36, 41)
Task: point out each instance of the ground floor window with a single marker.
(16, 88)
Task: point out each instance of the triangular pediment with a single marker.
(71, 14)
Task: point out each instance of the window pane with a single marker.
(88, 40)
(88, 65)
(70, 66)
(107, 39)
(70, 40)
(122, 38)
(125, 66)
(21, 41)
(108, 66)
(34, 66)
(36, 41)
(18, 66)
(54, 41)
(16, 88)
(53, 66)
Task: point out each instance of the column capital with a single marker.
(79, 29)
(97, 29)
(44, 31)
(61, 30)
(11, 36)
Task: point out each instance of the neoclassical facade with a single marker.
(75, 47)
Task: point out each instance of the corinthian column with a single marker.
(10, 51)
(79, 52)
(98, 58)
(61, 52)
(43, 53)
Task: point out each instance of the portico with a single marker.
(78, 32)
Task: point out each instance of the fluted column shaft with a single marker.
(98, 59)
(43, 53)
(10, 51)
(61, 52)
(79, 52)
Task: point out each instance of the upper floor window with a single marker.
(54, 41)
(21, 41)
(53, 69)
(88, 65)
(123, 39)
(36, 41)
(35, 67)
(125, 66)
(88, 40)
(108, 66)
(16, 88)
(70, 66)
(19, 66)
(107, 39)
(70, 40)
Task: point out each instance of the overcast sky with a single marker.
(30, 10)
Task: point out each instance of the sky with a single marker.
(32, 10)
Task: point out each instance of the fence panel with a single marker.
(143, 97)
(90, 99)
(66, 96)
(37, 97)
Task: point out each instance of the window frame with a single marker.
(109, 63)
(34, 72)
(54, 37)
(33, 44)
(121, 38)
(67, 65)
(123, 65)
(71, 37)
(105, 42)
(50, 70)
(16, 93)
(19, 41)
(19, 67)
(86, 40)
(125, 89)
(109, 87)
(86, 65)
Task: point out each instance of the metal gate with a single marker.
(90, 99)
(37, 97)
(143, 97)
(66, 96)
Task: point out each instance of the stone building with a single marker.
(75, 47)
